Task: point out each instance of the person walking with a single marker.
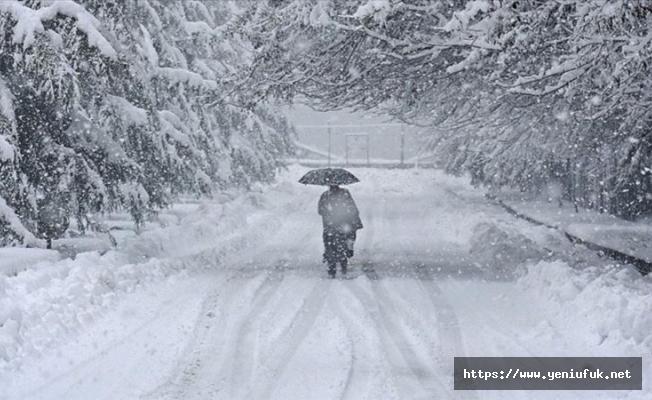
(340, 215)
(341, 221)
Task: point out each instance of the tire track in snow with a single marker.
(368, 242)
(447, 325)
(381, 308)
(352, 375)
(210, 341)
(399, 352)
(493, 323)
(232, 361)
(362, 349)
(79, 373)
(241, 371)
(276, 363)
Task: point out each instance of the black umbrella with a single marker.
(328, 176)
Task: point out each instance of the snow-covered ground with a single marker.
(230, 300)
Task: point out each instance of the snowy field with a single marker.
(229, 300)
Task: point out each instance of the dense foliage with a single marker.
(123, 105)
(521, 92)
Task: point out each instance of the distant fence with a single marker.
(362, 163)
(314, 157)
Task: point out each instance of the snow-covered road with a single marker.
(266, 323)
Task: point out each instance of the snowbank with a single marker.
(47, 303)
(70, 247)
(16, 259)
(501, 247)
(608, 308)
(616, 302)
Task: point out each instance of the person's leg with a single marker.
(344, 264)
(330, 251)
(326, 239)
(332, 269)
(340, 248)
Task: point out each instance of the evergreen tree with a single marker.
(109, 106)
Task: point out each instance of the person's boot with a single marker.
(331, 271)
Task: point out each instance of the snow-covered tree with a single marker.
(110, 106)
(520, 91)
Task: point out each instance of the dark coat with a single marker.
(339, 211)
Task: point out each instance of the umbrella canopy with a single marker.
(328, 176)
